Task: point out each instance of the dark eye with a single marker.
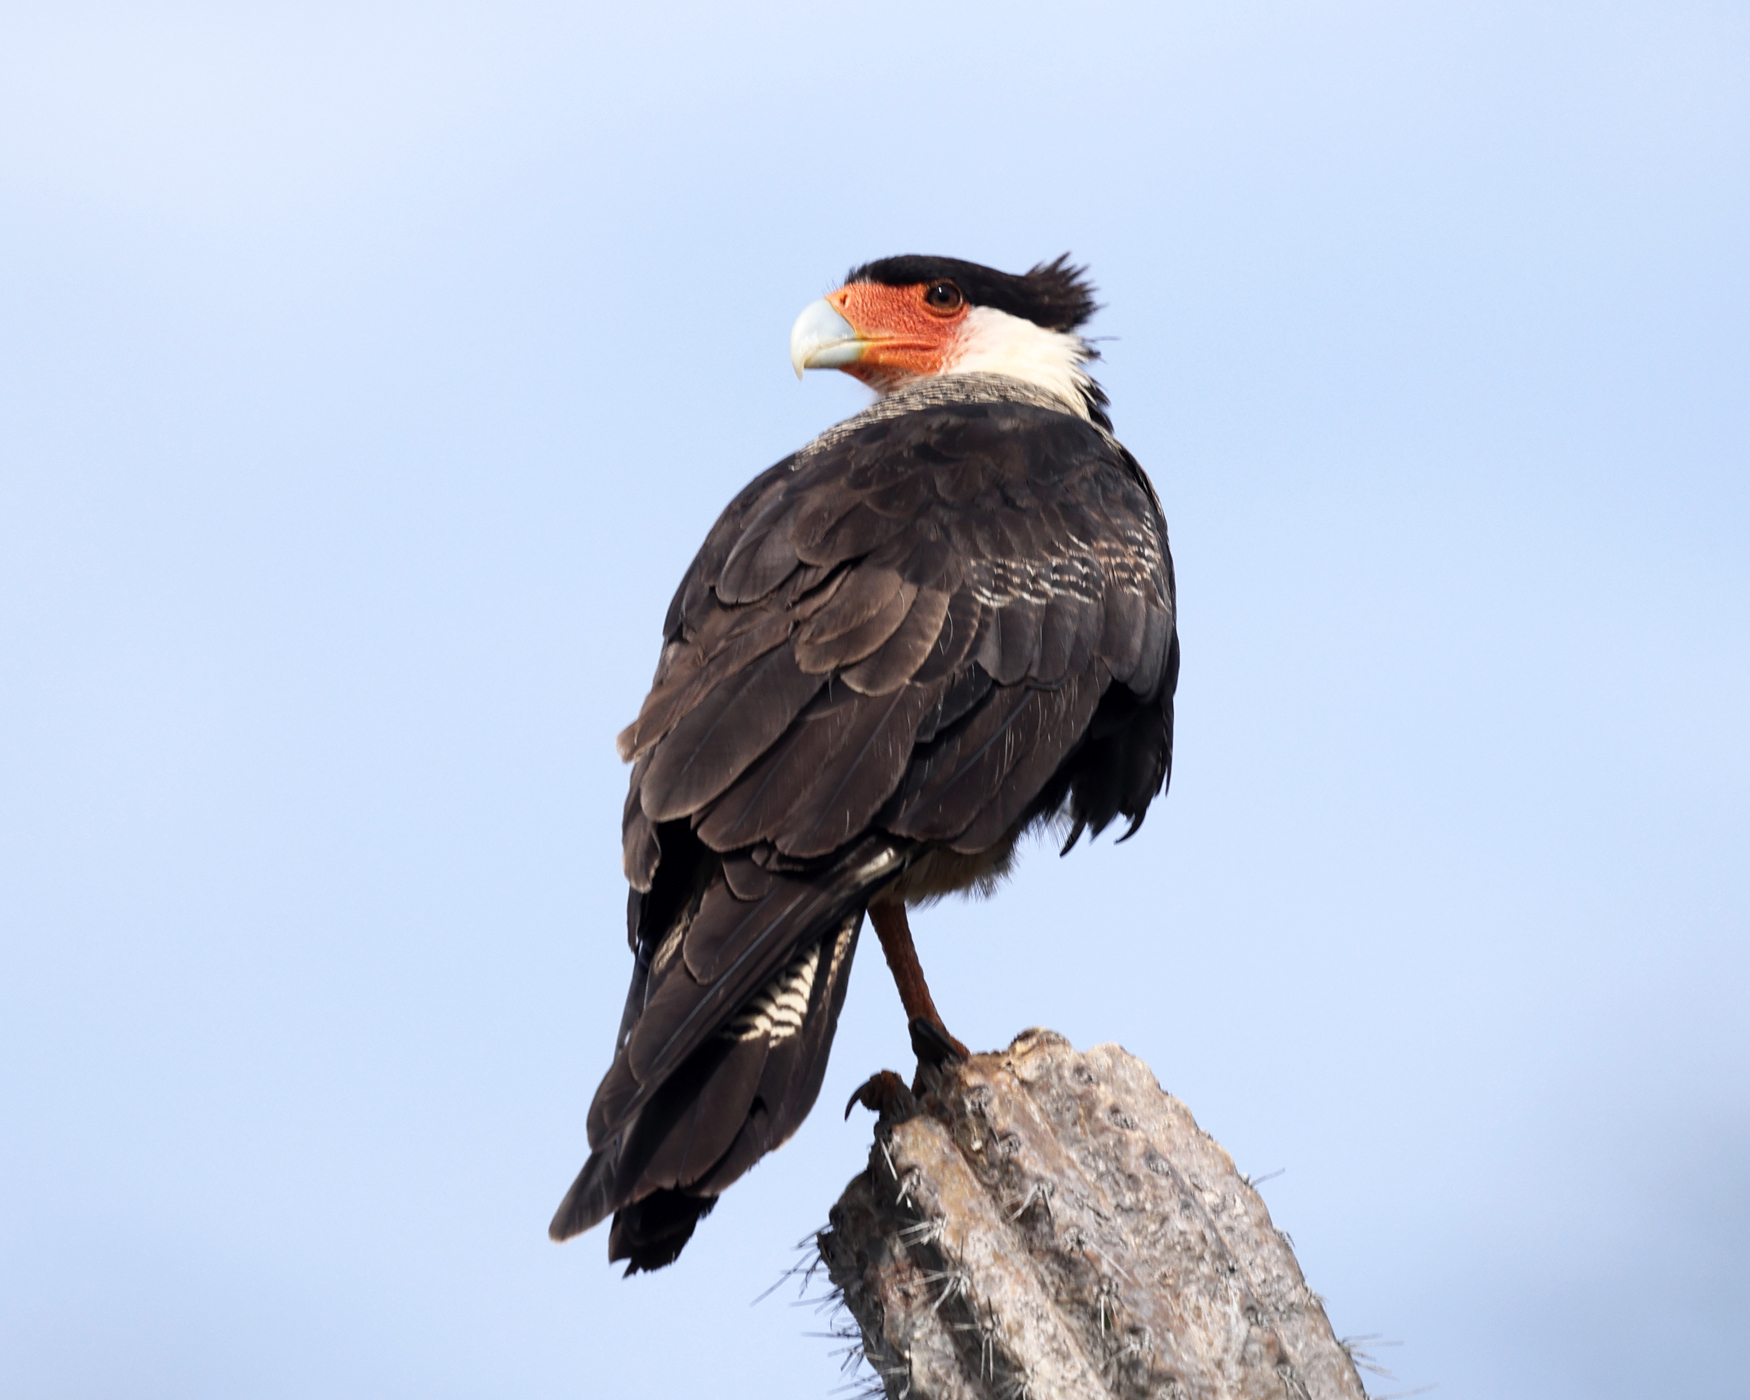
(943, 298)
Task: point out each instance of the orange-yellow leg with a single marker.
(908, 974)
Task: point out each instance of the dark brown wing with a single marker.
(926, 631)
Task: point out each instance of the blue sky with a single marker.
(368, 375)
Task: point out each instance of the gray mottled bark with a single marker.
(1046, 1224)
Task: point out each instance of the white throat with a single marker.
(994, 342)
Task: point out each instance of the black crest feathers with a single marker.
(1056, 295)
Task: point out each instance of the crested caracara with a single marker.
(942, 622)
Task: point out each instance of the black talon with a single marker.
(933, 1045)
(887, 1095)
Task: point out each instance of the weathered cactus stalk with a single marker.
(1046, 1224)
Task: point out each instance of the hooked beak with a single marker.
(823, 339)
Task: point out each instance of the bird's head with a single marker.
(903, 319)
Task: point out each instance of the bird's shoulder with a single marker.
(991, 484)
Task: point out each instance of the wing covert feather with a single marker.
(730, 727)
(897, 659)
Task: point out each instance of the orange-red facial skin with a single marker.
(907, 338)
